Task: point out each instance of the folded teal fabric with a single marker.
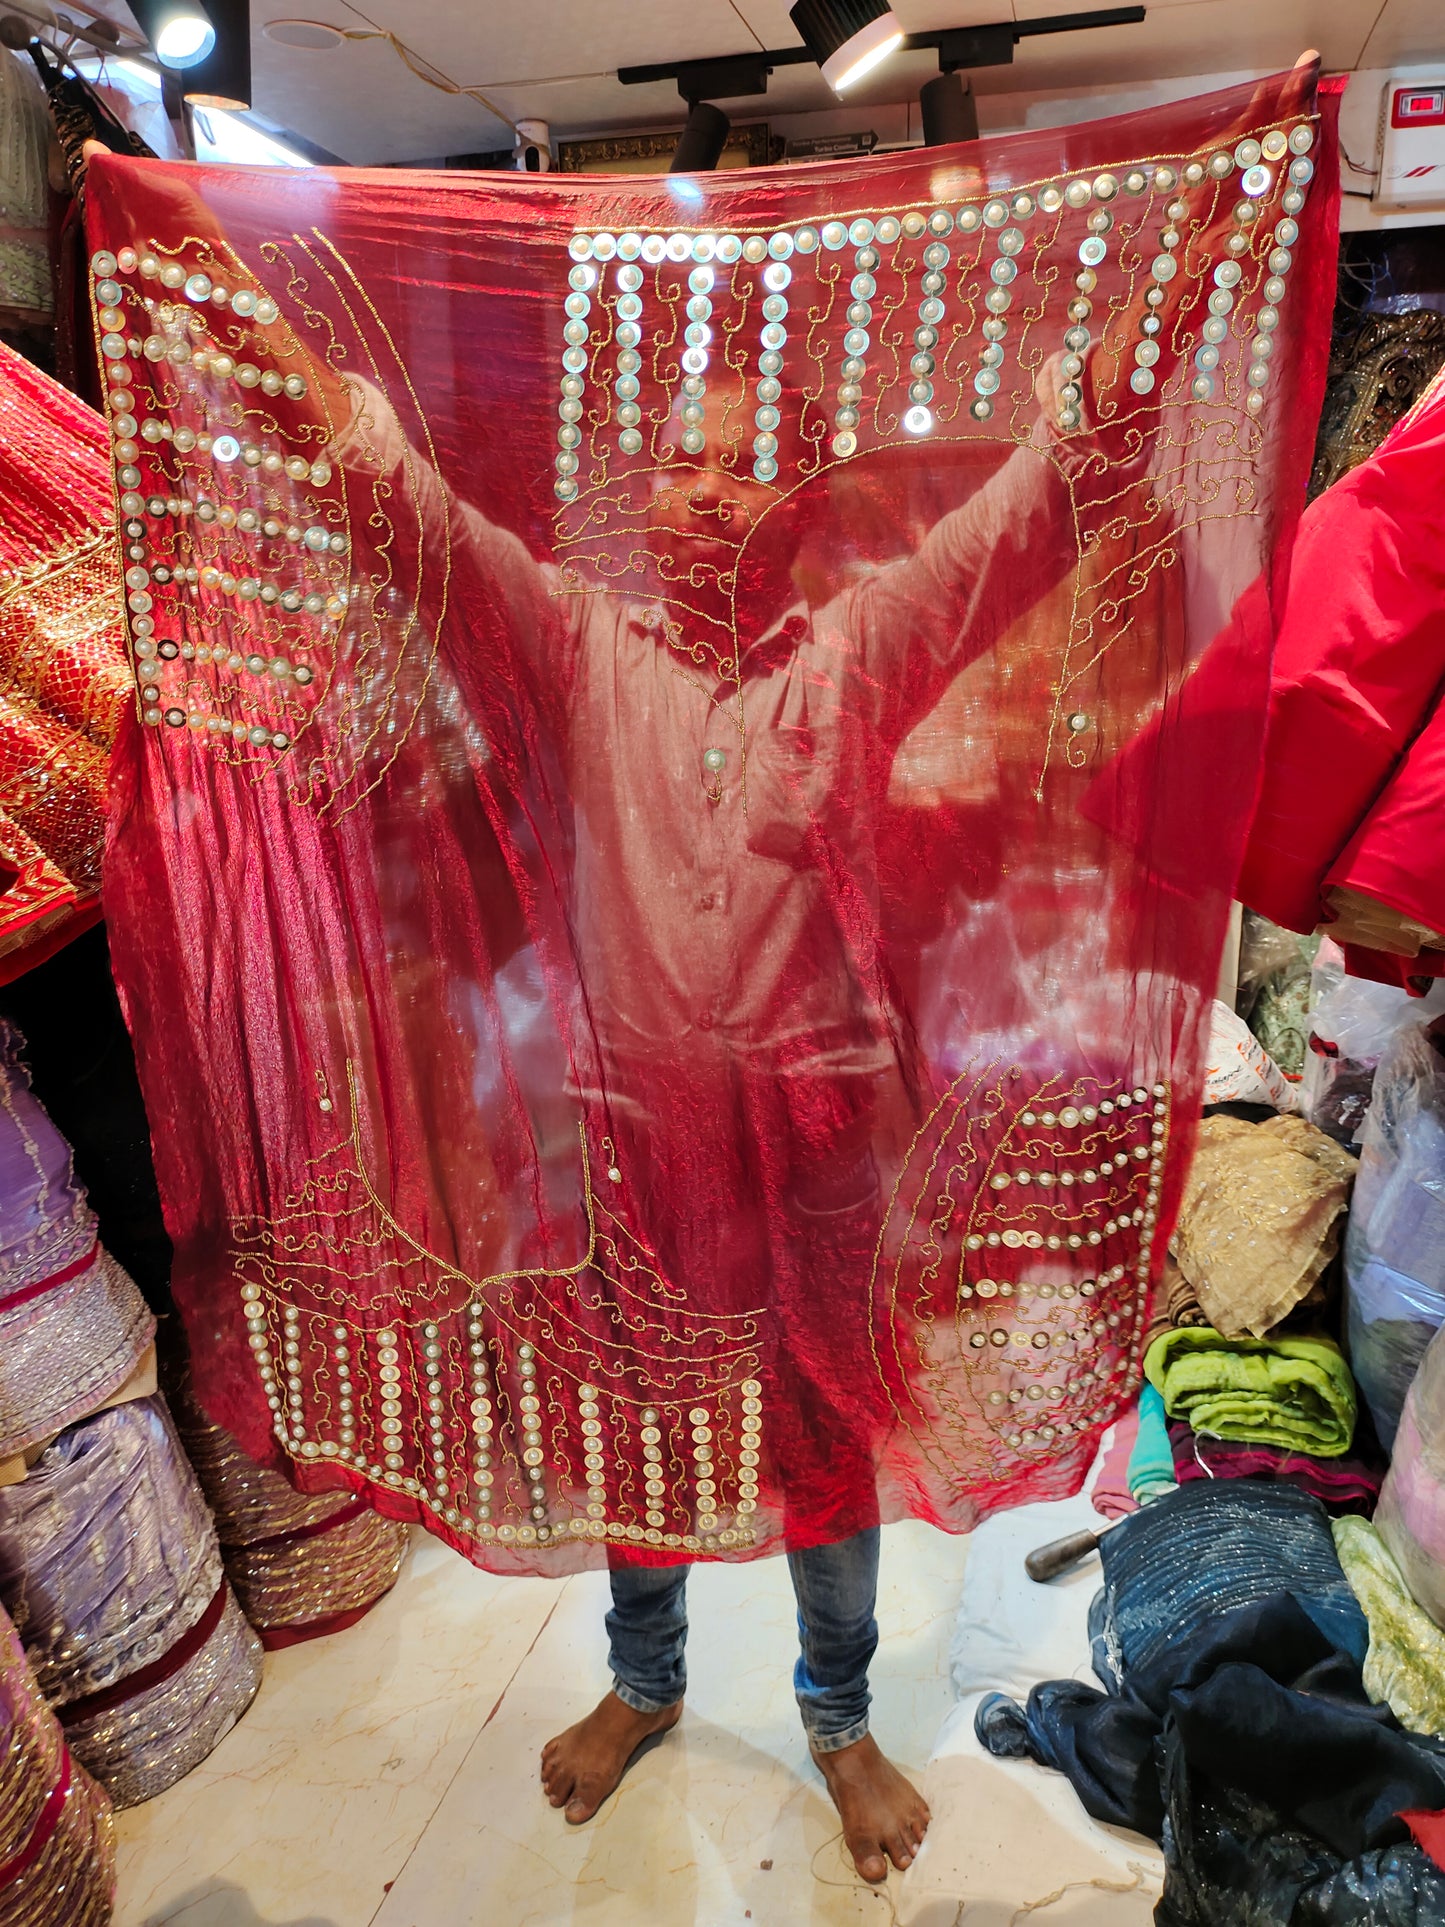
(1151, 1463)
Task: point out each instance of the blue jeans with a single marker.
(836, 1588)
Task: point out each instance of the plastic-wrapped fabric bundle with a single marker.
(300, 1566)
(57, 1845)
(1405, 1666)
(1410, 1517)
(73, 1327)
(1395, 1245)
(1353, 1028)
(110, 1568)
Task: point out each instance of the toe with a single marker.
(869, 1861)
(900, 1851)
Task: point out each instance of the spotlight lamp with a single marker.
(847, 38)
(701, 143)
(180, 31)
(223, 77)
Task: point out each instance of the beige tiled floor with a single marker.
(388, 1775)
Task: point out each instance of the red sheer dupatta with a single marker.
(651, 1051)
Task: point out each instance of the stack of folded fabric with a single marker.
(1234, 1726)
(110, 1568)
(57, 1847)
(1258, 1226)
(73, 1328)
(1349, 1484)
(301, 1565)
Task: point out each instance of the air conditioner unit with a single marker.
(1412, 145)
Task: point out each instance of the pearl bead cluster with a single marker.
(1042, 1345)
(132, 432)
(697, 340)
(1007, 214)
(857, 339)
(594, 1463)
(375, 1368)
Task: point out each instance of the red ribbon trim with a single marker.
(52, 1283)
(159, 1670)
(275, 1638)
(47, 1820)
(298, 1533)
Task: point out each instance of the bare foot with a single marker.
(584, 1764)
(882, 1813)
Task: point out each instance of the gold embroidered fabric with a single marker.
(63, 677)
(1261, 1218)
(57, 1836)
(660, 1096)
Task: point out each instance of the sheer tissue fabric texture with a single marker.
(674, 792)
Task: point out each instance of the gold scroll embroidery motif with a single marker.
(492, 1400)
(1013, 1265)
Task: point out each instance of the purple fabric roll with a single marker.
(73, 1327)
(108, 1561)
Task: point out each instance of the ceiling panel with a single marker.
(556, 60)
(1407, 32)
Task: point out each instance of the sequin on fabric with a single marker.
(57, 1842)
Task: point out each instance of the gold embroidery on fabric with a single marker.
(492, 1399)
(1048, 1202)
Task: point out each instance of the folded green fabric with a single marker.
(1292, 1392)
(1405, 1666)
(1151, 1463)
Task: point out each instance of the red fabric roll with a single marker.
(1359, 666)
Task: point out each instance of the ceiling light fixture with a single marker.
(700, 144)
(950, 112)
(847, 38)
(180, 31)
(223, 78)
(306, 36)
(744, 76)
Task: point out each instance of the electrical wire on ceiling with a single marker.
(418, 64)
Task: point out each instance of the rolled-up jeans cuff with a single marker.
(835, 1742)
(639, 1702)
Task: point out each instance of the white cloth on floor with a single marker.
(1009, 1840)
